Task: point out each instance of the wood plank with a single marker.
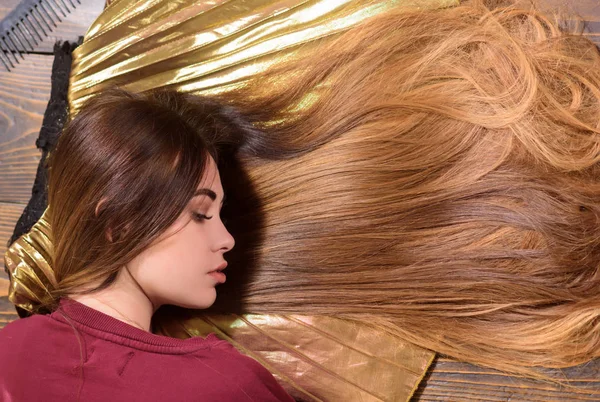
(586, 9)
(593, 30)
(7, 312)
(24, 95)
(9, 214)
(450, 380)
(4, 282)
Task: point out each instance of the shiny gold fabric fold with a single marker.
(208, 46)
(28, 261)
(318, 358)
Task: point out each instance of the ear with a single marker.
(109, 235)
(109, 232)
(126, 229)
(99, 205)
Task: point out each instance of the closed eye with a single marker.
(201, 217)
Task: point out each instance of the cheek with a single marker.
(175, 272)
(188, 239)
(184, 281)
(187, 256)
(192, 245)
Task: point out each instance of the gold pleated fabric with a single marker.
(318, 358)
(208, 47)
(28, 261)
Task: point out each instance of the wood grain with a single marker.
(449, 380)
(9, 214)
(586, 9)
(593, 31)
(7, 312)
(24, 95)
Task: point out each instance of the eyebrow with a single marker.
(209, 193)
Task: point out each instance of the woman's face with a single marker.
(179, 268)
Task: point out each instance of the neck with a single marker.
(124, 300)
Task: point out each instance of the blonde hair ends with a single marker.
(444, 184)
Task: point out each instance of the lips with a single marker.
(220, 267)
(217, 275)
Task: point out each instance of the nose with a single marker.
(225, 240)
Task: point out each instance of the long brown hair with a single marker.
(123, 170)
(445, 184)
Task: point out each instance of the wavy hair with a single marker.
(434, 173)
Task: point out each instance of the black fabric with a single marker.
(55, 116)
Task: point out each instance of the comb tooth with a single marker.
(65, 5)
(16, 37)
(19, 29)
(10, 51)
(28, 19)
(2, 60)
(57, 6)
(9, 36)
(40, 7)
(39, 24)
(5, 53)
(29, 25)
(48, 6)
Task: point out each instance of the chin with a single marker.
(199, 303)
(193, 306)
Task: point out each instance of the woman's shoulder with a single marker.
(228, 366)
(23, 342)
(25, 327)
(37, 333)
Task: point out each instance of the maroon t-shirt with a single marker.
(41, 356)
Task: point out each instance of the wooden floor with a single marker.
(24, 94)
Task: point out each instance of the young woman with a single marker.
(136, 199)
(445, 183)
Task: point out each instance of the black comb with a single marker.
(29, 24)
